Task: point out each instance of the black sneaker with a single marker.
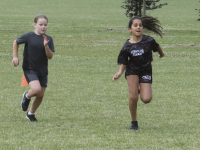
(134, 125)
(31, 117)
(25, 102)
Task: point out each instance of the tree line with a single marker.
(139, 7)
(199, 13)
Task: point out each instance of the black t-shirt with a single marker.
(138, 56)
(35, 58)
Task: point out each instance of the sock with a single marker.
(27, 96)
(30, 113)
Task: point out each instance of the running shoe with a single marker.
(25, 102)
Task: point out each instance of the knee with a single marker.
(146, 100)
(36, 91)
(133, 98)
(40, 96)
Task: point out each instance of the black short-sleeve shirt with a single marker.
(138, 56)
(34, 57)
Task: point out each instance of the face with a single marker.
(136, 28)
(41, 26)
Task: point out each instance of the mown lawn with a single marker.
(83, 108)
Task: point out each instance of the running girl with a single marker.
(38, 49)
(135, 57)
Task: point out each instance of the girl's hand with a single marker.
(46, 41)
(117, 76)
(162, 55)
(15, 61)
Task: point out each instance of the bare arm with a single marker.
(120, 72)
(160, 52)
(15, 60)
(49, 53)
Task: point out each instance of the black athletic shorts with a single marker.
(32, 75)
(144, 76)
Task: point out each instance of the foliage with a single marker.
(134, 7)
(199, 13)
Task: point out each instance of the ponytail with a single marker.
(150, 23)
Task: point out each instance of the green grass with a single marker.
(82, 107)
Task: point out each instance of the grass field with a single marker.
(82, 108)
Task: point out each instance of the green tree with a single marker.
(134, 7)
(199, 13)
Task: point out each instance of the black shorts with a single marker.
(144, 76)
(32, 75)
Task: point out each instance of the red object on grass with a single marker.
(24, 82)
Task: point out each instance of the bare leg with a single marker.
(133, 82)
(37, 91)
(37, 101)
(145, 92)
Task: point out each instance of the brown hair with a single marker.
(39, 16)
(150, 23)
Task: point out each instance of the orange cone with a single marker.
(24, 82)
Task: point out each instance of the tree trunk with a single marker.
(144, 7)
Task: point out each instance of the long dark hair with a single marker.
(150, 23)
